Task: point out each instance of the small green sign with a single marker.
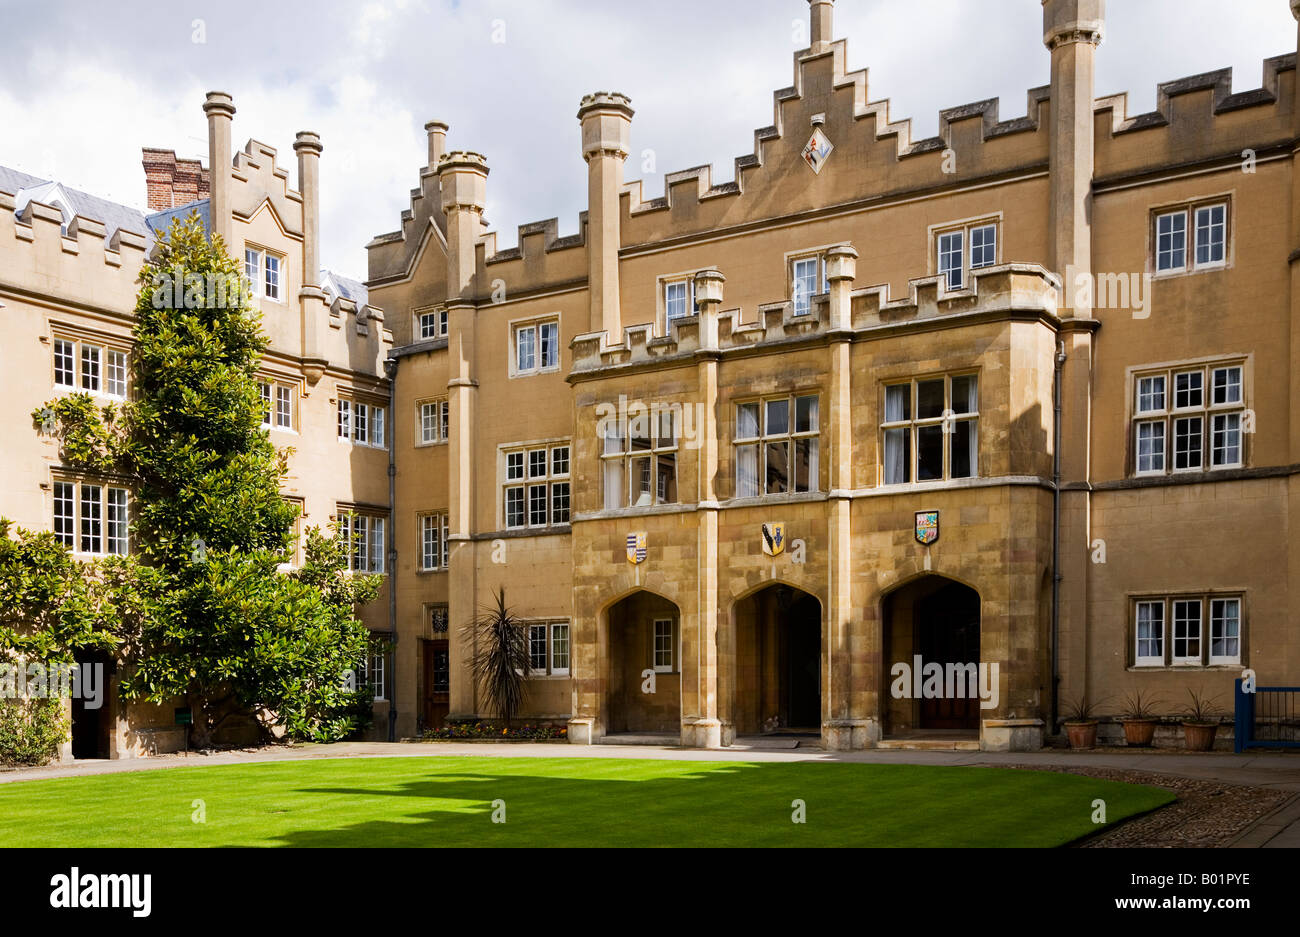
(184, 716)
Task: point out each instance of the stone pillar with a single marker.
(310, 296)
(606, 131)
(841, 620)
(220, 110)
(462, 178)
(701, 727)
(1072, 30)
(821, 30)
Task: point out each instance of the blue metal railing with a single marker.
(1266, 718)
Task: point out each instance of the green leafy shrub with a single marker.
(31, 731)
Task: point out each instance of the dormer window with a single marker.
(807, 279)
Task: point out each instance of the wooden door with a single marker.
(437, 683)
(948, 626)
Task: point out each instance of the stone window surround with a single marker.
(964, 226)
(1206, 661)
(1189, 207)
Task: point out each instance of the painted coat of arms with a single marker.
(773, 539)
(636, 548)
(816, 150)
(927, 527)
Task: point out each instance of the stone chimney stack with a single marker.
(821, 26)
(1072, 30)
(221, 111)
(606, 136)
(437, 131)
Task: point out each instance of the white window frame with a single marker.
(430, 324)
(375, 672)
(1157, 402)
(1159, 638)
(912, 424)
(689, 306)
(1193, 234)
(551, 632)
(1174, 638)
(1218, 660)
(1212, 608)
(801, 304)
(535, 329)
(278, 405)
(433, 530)
(111, 366)
(965, 233)
(359, 423)
(656, 648)
(93, 504)
(258, 273)
(432, 421)
(366, 536)
(555, 480)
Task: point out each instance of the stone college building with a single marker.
(1016, 402)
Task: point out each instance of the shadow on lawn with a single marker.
(888, 806)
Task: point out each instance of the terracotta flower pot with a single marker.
(1139, 732)
(1199, 736)
(1082, 734)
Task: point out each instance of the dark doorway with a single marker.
(92, 720)
(932, 620)
(949, 633)
(778, 662)
(437, 683)
(803, 628)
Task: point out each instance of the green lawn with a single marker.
(448, 801)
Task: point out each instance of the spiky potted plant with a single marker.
(1200, 721)
(496, 643)
(1139, 719)
(1081, 722)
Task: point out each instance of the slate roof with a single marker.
(337, 285)
(113, 215)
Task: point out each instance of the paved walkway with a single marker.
(1280, 771)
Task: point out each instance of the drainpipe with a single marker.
(1056, 534)
(390, 369)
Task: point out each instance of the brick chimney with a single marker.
(171, 182)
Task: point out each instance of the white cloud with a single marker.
(701, 75)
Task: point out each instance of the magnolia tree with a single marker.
(222, 627)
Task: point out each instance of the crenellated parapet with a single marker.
(82, 265)
(1020, 290)
(256, 178)
(1198, 119)
(535, 239)
(1218, 83)
(1027, 289)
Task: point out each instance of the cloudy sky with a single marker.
(83, 85)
